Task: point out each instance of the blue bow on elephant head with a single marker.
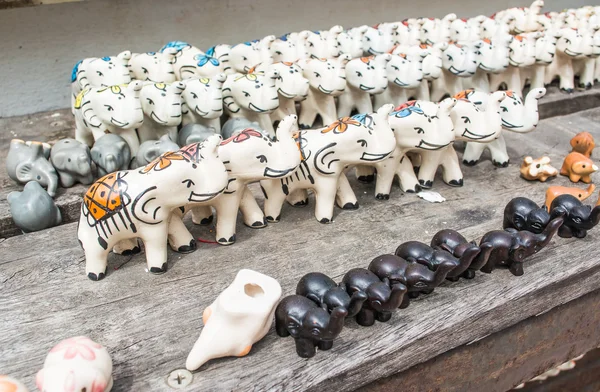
(75, 70)
(364, 119)
(209, 56)
(179, 45)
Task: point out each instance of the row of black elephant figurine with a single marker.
(315, 316)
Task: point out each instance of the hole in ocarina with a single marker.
(253, 290)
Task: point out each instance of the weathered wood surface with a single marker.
(149, 323)
(511, 356)
(53, 126)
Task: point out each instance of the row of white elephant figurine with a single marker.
(290, 165)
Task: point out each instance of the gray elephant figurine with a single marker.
(33, 209)
(233, 126)
(511, 248)
(310, 325)
(111, 153)
(73, 162)
(152, 149)
(194, 133)
(28, 161)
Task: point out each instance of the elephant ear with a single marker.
(152, 152)
(313, 297)
(517, 253)
(519, 221)
(293, 325)
(23, 172)
(558, 211)
(58, 160)
(88, 113)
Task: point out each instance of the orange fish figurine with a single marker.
(556, 190)
(578, 167)
(583, 143)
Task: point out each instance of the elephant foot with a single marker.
(301, 203)
(456, 183)
(350, 206)
(469, 163)
(304, 126)
(206, 221)
(487, 269)
(366, 320)
(270, 219)
(426, 184)
(366, 179)
(158, 271)
(188, 248)
(383, 316)
(258, 224)
(585, 86)
(516, 269)
(224, 241)
(567, 90)
(130, 252)
(405, 302)
(325, 345)
(500, 164)
(427, 292)
(381, 196)
(325, 220)
(94, 277)
(413, 295)
(468, 274)
(416, 189)
(453, 278)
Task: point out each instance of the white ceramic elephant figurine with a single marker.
(191, 62)
(545, 52)
(365, 76)
(327, 79)
(350, 41)
(325, 153)
(76, 364)
(459, 61)
(324, 44)
(522, 20)
(100, 72)
(203, 101)
(154, 67)
(570, 48)
(240, 316)
(472, 125)
(517, 116)
(466, 29)
(162, 107)
(137, 203)
(290, 47)
(522, 56)
(584, 65)
(245, 56)
(114, 109)
(493, 59)
(435, 30)
(405, 77)
(379, 41)
(491, 28)
(252, 96)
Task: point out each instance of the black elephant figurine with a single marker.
(578, 217)
(452, 241)
(511, 248)
(382, 297)
(416, 277)
(310, 325)
(418, 252)
(322, 290)
(522, 213)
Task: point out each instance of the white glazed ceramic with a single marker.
(404, 76)
(327, 80)
(161, 104)
(584, 65)
(9, 384)
(522, 56)
(435, 30)
(240, 316)
(325, 153)
(324, 44)
(493, 59)
(517, 116)
(290, 47)
(252, 96)
(203, 101)
(379, 41)
(465, 29)
(522, 20)
(245, 56)
(138, 203)
(191, 62)
(545, 52)
(491, 28)
(569, 48)
(153, 67)
(350, 41)
(114, 109)
(365, 76)
(76, 364)
(460, 60)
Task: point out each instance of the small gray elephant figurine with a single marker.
(73, 162)
(235, 125)
(194, 133)
(111, 153)
(152, 149)
(28, 161)
(33, 209)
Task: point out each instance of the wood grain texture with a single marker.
(149, 323)
(53, 126)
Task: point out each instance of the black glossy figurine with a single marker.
(511, 248)
(382, 297)
(310, 325)
(578, 217)
(322, 290)
(416, 277)
(522, 213)
(452, 241)
(418, 252)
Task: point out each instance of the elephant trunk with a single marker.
(356, 303)
(483, 256)
(336, 321)
(52, 183)
(466, 260)
(550, 230)
(398, 291)
(595, 214)
(111, 164)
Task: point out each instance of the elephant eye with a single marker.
(246, 94)
(262, 158)
(188, 183)
(99, 73)
(504, 109)
(318, 75)
(420, 284)
(39, 178)
(576, 219)
(144, 70)
(151, 102)
(278, 52)
(315, 332)
(450, 58)
(583, 166)
(69, 160)
(244, 58)
(194, 96)
(363, 143)
(395, 68)
(109, 108)
(419, 130)
(358, 74)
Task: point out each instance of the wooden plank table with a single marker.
(149, 323)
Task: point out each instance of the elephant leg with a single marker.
(179, 238)
(83, 135)
(130, 136)
(430, 162)
(366, 317)
(345, 105)
(281, 329)
(473, 152)
(274, 199)
(305, 348)
(328, 111)
(308, 114)
(127, 247)
(452, 174)
(251, 212)
(365, 174)
(414, 294)
(95, 261)
(202, 215)
(325, 345)
(468, 274)
(516, 268)
(325, 190)
(298, 198)
(498, 151)
(227, 207)
(405, 302)
(567, 77)
(154, 239)
(345, 197)
(565, 232)
(415, 158)
(383, 316)
(406, 174)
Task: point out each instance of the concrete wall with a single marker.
(39, 45)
